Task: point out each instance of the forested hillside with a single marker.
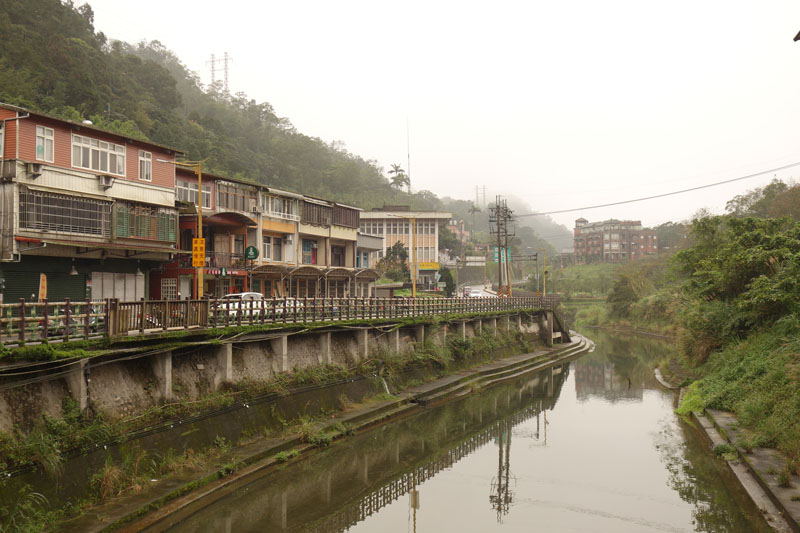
(54, 60)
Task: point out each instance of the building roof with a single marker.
(373, 215)
(90, 127)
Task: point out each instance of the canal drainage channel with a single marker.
(259, 458)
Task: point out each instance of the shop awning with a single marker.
(369, 274)
(305, 270)
(271, 269)
(95, 246)
(337, 272)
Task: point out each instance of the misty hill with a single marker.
(54, 60)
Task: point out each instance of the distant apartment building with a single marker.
(394, 224)
(612, 241)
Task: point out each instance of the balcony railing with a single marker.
(282, 216)
(24, 322)
(215, 260)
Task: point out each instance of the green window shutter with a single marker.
(123, 224)
(173, 228)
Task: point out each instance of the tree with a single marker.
(472, 210)
(399, 178)
(446, 277)
(394, 264)
(448, 241)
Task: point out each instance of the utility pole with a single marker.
(499, 219)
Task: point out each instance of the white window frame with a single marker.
(145, 166)
(266, 243)
(186, 191)
(106, 153)
(45, 137)
(169, 288)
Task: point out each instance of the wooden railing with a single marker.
(24, 322)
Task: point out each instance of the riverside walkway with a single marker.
(25, 322)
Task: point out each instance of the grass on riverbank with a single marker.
(758, 379)
(132, 473)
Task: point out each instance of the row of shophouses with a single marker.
(85, 213)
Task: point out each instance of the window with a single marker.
(337, 256)
(145, 166)
(44, 144)
(169, 288)
(238, 244)
(277, 249)
(98, 155)
(309, 252)
(267, 247)
(231, 197)
(64, 214)
(186, 191)
(316, 214)
(144, 222)
(343, 216)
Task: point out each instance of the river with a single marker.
(598, 448)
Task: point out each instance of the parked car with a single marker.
(240, 302)
(475, 293)
(254, 303)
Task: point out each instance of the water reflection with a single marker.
(590, 447)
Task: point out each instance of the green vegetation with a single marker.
(579, 281)
(730, 293)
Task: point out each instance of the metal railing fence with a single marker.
(25, 322)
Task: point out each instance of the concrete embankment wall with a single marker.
(129, 384)
(120, 385)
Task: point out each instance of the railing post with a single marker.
(87, 318)
(67, 319)
(305, 309)
(164, 315)
(107, 325)
(22, 319)
(142, 316)
(45, 319)
(186, 314)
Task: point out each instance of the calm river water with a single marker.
(598, 448)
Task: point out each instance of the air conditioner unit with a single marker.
(34, 169)
(106, 181)
(289, 239)
(314, 245)
(256, 209)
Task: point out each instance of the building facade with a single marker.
(305, 247)
(612, 241)
(84, 213)
(394, 224)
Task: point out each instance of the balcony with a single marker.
(281, 216)
(215, 260)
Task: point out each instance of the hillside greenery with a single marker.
(53, 60)
(731, 296)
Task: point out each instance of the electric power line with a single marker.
(778, 169)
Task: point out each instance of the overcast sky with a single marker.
(565, 103)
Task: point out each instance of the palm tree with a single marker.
(400, 177)
(472, 210)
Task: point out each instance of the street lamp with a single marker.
(197, 167)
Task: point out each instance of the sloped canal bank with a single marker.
(598, 448)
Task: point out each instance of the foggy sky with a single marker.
(565, 104)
